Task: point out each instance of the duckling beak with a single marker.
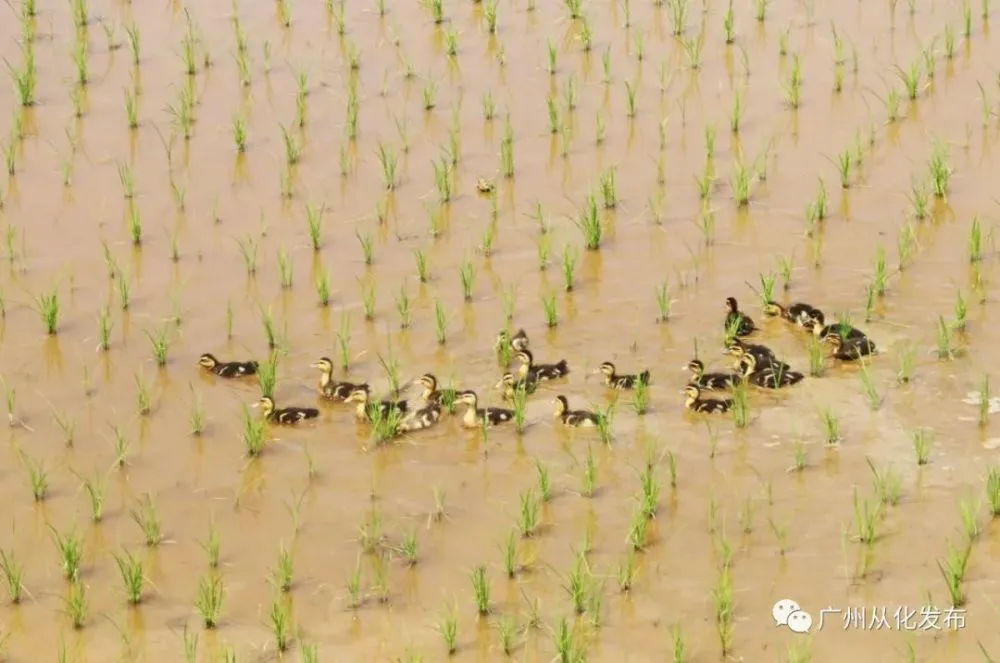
(685, 367)
(255, 405)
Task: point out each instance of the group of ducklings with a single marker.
(757, 364)
(436, 401)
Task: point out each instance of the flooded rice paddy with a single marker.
(391, 183)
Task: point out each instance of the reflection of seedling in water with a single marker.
(77, 606)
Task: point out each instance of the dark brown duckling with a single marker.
(540, 372)
(328, 387)
(763, 355)
(695, 403)
(799, 313)
(768, 377)
(476, 417)
(737, 323)
(285, 415)
(575, 418)
(850, 350)
(845, 330)
(227, 369)
(622, 382)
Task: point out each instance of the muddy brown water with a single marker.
(60, 205)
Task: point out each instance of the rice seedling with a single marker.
(869, 387)
(792, 88)
(254, 434)
(467, 276)
(481, 589)
(367, 243)
(448, 628)
(280, 621)
(529, 515)
(736, 112)
(693, 47)
(638, 533)
(940, 171)
(831, 426)
(953, 568)
(984, 395)
(122, 445)
(968, 512)
(77, 605)
(404, 307)
(993, 491)
(13, 576)
(507, 630)
(961, 312)
(866, 518)
(664, 302)
(577, 583)
(160, 341)
(887, 484)
(569, 259)
(590, 225)
(26, 78)
(147, 518)
(293, 149)
(608, 188)
(741, 182)
(943, 339)
(70, 548)
(132, 107)
(143, 400)
(38, 478)
(208, 600)
(79, 53)
(550, 310)
(975, 241)
(723, 604)
(47, 305)
(132, 573)
(741, 405)
(429, 95)
(507, 150)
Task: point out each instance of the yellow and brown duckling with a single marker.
(622, 382)
(799, 313)
(768, 377)
(510, 383)
(476, 417)
(713, 381)
(227, 369)
(328, 387)
(846, 331)
(433, 395)
(285, 415)
(367, 408)
(422, 418)
(737, 322)
(574, 418)
(763, 355)
(540, 372)
(850, 350)
(517, 341)
(695, 403)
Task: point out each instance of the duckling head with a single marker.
(695, 366)
(503, 338)
(428, 381)
(735, 348)
(835, 340)
(525, 357)
(208, 360)
(562, 405)
(467, 397)
(607, 368)
(773, 309)
(519, 341)
(357, 396)
(323, 364)
(691, 393)
(507, 380)
(266, 404)
(731, 305)
(747, 364)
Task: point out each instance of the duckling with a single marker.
(738, 323)
(798, 313)
(227, 369)
(540, 372)
(366, 407)
(285, 415)
(575, 418)
(768, 377)
(518, 342)
(476, 416)
(420, 419)
(509, 383)
(851, 349)
(622, 382)
(329, 388)
(696, 403)
(432, 394)
(761, 353)
(819, 327)
(714, 381)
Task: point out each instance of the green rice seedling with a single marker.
(961, 312)
(906, 243)
(143, 400)
(814, 348)
(404, 306)
(664, 302)
(693, 47)
(529, 515)
(135, 224)
(310, 652)
(631, 104)
(953, 568)
(993, 491)
(569, 259)
(729, 24)
(578, 584)
(79, 53)
(975, 241)
(429, 95)
(866, 518)
(467, 276)
(490, 16)
(248, 248)
(196, 416)
(148, 520)
(132, 573)
(239, 132)
(420, 258)
(448, 628)
(722, 600)
(736, 112)
(38, 478)
(508, 553)
(507, 150)
(626, 573)
(940, 171)
(211, 545)
(368, 299)
(77, 604)
(741, 406)
(767, 282)
(409, 548)
(741, 182)
(293, 150)
(544, 249)
(314, 222)
(868, 385)
(943, 339)
(13, 576)
(26, 78)
(650, 484)
(919, 198)
(95, 489)
(922, 440)
(553, 110)
(443, 180)
(887, 483)
(481, 589)
(550, 310)
(831, 426)
(132, 107)
(367, 243)
(280, 618)
(519, 403)
(47, 305)
(208, 600)
(638, 533)
(160, 340)
(984, 394)
(968, 511)
(489, 107)
(122, 445)
(608, 188)
(640, 398)
(589, 223)
(254, 434)
(284, 571)
(70, 548)
(906, 359)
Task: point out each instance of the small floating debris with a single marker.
(992, 443)
(484, 185)
(975, 398)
